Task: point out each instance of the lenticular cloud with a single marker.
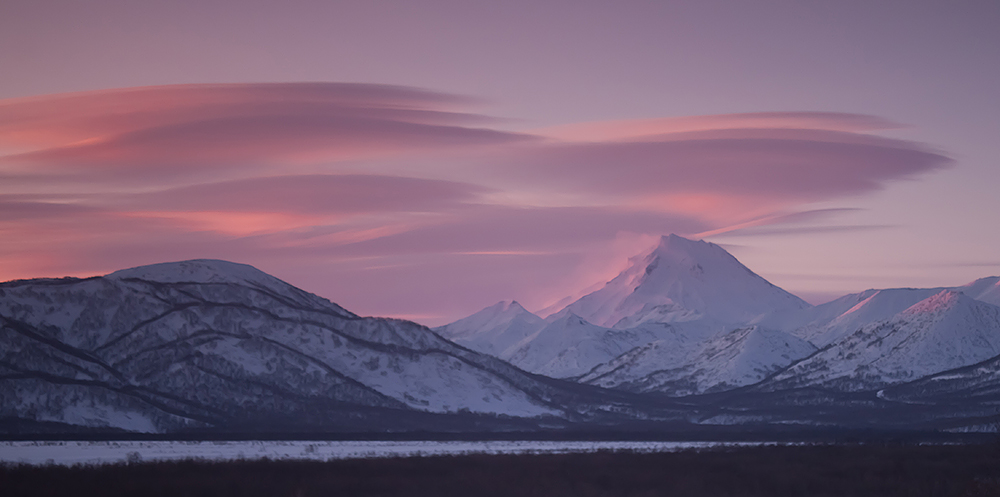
(787, 163)
(204, 126)
(322, 175)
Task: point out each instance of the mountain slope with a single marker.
(494, 329)
(945, 331)
(682, 293)
(984, 289)
(834, 320)
(741, 357)
(683, 280)
(570, 346)
(214, 344)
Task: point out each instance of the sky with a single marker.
(427, 159)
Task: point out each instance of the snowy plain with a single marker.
(76, 452)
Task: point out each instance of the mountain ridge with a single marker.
(674, 331)
(242, 349)
(213, 345)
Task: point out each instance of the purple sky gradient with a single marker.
(428, 159)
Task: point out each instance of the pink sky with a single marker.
(428, 161)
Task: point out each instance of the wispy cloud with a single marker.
(640, 129)
(788, 164)
(301, 179)
(312, 194)
(174, 129)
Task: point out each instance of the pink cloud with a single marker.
(446, 250)
(312, 194)
(638, 129)
(311, 213)
(64, 118)
(18, 208)
(98, 181)
(496, 229)
(798, 165)
(199, 126)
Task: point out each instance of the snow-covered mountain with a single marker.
(207, 343)
(570, 346)
(681, 294)
(212, 345)
(740, 357)
(945, 331)
(984, 289)
(834, 320)
(683, 280)
(688, 318)
(494, 329)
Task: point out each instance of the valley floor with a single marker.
(801, 470)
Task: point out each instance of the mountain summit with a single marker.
(683, 280)
(493, 329)
(677, 294)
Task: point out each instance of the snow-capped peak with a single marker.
(493, 329)
(674, 244)
(682, 280)
(507, 307)
(984, 289)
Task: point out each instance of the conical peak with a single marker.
(688, 256)
(685, 278)
(675, 237)
(507, 306)
(673, 241)
(674, 245)
(500, 306)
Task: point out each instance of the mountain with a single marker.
(832, 321)
(740, 357)
(943, 332)
(829, 322)
(570, 346)
(683, 280)
(208, 344)
(494, 329)
(687, 318)
(984, 289)
(681, 293)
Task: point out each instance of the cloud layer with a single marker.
(396, 200)
(174, 129)
(795, 164)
